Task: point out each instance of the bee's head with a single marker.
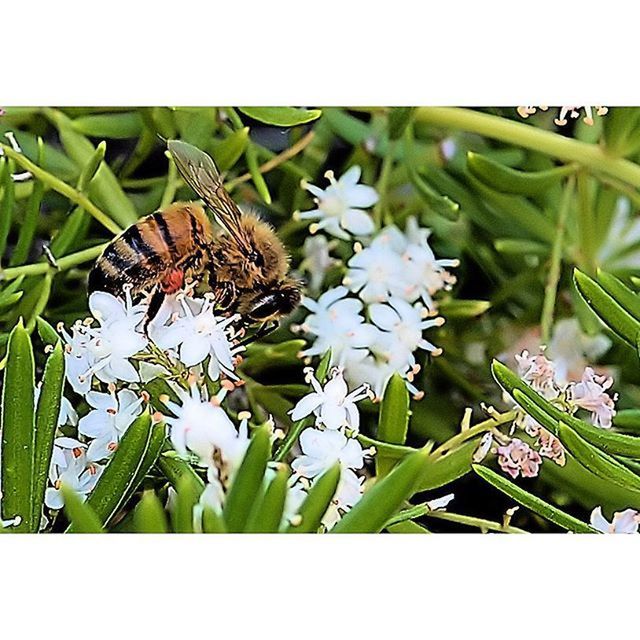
(274, 303)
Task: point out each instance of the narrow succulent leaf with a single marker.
(394, 420)
(386, 496)
(443, 470)
(628, 420)
(266, 515)
(47, 333)
(610, 312)
(149, 515)
(528, 500)
(212, 521)
(408, 526)
(317, 502)
(228, 151)
(624, 296)
(112, 125)
(46, 424)
(281, 116)
(29, 221)
(600, 463)
(186, 498)
(18, 430)
(247, 481)
(117, 480)
(79, 513)
(399, 120)
(91, 167)
(508, 180)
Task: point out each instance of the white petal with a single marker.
(361, 196)
(194, 351)
(95, 424)
(306, 406)
(383, 316)
(358, 222)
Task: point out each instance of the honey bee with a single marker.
(245, 261)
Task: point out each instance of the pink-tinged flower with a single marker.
(550, 447)
(591, 394)
(519, 458)
(626, 521)
(538, 372)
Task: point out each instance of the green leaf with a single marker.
(46, 422)
(7, 203)
(453, 465)
(599, 462)
(394, 420)
(29, 222)
(79, 513)
(612, 314)
(228, 151)
(174, 468)
(627, 419)
(386, 496)
(18, 430)
(463, 308)
(281, 116)
(212, 521)
(105, 187)
(149, 515)
(317, 501)
(119, 477)
(91, 167)
(110, 125)
(187, 495)
(10, 294)
(507, 180)
(247, 481)
(519, 247)
(440, 204)
(624, 296)
(399, 120)
(47, 333)
(266, 515)
(526, 499)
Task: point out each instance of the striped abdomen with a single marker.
(143, 254)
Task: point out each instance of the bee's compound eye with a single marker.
(256, 258)
(277, 303)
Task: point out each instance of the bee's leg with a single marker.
(225, 296)
(263, 330)
(154, 306)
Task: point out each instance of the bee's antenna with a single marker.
(162, 138)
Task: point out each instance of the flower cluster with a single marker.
(516, 457)
(374, 322)
(109, 357)
(563, 112)
(332, 440)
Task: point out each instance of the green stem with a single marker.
(169, 194)
(481, 523)
(380, 211)
(588, 155)
(472, 432)
(62, 187)
(67, 262)
(551, 288)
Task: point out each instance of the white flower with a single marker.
(348, 493)
(626, 521)
(317, 260)
(402, 325)
(333, 405)
(104, 351)
(71, 467)
(201, 335)
(199, 426)
(571, 349)
(376, 272)
(337, 324)
(440, 503)
(399, 264)
(539, 372)
(111, 416)
(296, 495)
(322, 449)
(591, 394)
(339, 206)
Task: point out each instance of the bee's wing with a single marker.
(201, 174)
